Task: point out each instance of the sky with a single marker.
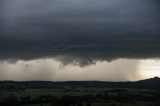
(115, 40)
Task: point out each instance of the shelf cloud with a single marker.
(79, 30)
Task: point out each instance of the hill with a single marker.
(152, 83)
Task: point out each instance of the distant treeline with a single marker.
(153, 83)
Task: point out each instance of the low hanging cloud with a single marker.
(52, 70)
(82, 31)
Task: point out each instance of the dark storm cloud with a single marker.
(79, 29)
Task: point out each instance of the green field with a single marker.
(37, 92)
(98, 97)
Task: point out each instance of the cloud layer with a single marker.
(79, 30)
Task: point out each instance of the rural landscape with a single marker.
(80, 93)
(79, 52)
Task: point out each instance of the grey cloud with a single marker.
(86, 29)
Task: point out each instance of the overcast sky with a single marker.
(78, 31)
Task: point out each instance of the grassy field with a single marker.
(37, 92)
(100, 97)
(99, 104)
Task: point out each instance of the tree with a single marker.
(89, 104)
(11, 100)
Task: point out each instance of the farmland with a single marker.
(80, 93)
(83, 97)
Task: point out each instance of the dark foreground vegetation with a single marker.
(80, 93)
(99, 97)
